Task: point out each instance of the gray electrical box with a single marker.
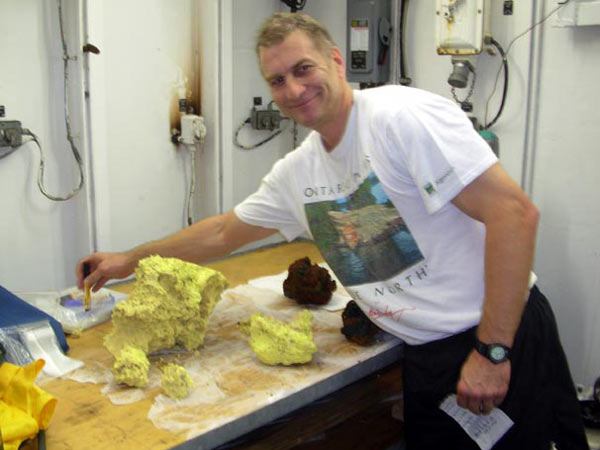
(11, 134)
(368, 40)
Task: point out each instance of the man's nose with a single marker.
(295, 88)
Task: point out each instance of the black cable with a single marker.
(41, 440)
(515, 39)
(401, 38)
(404, 80)
(237, 143)
(74, 149)
(505, 90)
(40, 178)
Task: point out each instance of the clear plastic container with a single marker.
(68, 308)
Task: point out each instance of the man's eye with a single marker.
(277, 81)
(304, 68)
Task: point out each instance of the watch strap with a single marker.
(495, 352)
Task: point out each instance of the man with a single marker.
(423, 227)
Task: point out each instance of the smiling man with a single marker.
(308, 83)
(422, 226)
(457, 261)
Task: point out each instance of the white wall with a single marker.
(566, 186)
(139, 180)
(247, 84)
(142, 178)
(40, 240)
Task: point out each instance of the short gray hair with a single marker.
(280, 25)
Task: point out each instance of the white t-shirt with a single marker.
(378, 207)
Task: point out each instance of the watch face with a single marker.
(497, 353)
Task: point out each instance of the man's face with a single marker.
(305, 84)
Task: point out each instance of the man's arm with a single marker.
(510, 221)
(203, 241)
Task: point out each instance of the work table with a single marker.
(359, 412)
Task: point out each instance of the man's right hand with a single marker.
(104, 267)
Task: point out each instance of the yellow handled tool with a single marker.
(86, 272)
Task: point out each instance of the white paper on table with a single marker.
(338, 301)
(41, 343)
(485, 430)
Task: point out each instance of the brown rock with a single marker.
(357, 326)
(308, 283)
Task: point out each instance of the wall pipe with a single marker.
(89, 173)
(533, 99)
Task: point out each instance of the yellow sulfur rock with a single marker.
(131, 367)
(170, 304)
(175, 381)
(275, 342)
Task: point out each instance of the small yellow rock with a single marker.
(175, 381)
(131, 367)
(275, 342)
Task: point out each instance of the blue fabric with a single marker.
(14, 311)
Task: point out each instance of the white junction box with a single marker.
(460, 26)
(193, 129)
(579, 13)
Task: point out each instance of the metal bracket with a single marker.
(11, 134)
(265, 119)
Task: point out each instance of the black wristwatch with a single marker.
(496, 353)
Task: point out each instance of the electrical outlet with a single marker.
(193, 129)
(508, 7)
(11, 134)
(265, 119)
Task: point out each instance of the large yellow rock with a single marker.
(170, 305)
(275, 342)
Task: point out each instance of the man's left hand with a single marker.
(482, 384)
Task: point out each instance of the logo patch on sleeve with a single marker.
(430, 189)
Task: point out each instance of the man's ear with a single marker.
(338, 60)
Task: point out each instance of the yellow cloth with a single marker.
(24, 407)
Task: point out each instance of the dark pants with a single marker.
(541, 399)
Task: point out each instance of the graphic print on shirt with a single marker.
(361, 236)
